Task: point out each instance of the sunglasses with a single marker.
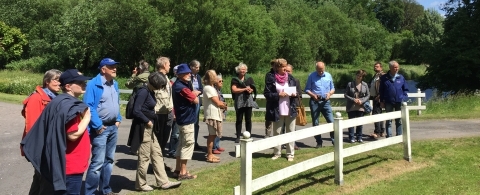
(220, 81)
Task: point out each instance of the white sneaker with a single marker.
(276, 156)
(144, 188)
(290, 158)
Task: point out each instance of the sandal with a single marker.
(213, 160)
(213, 156)
(175, 174)
(186, 176)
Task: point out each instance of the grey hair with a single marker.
(50, 75)
(392, 63)
(219, 76)
(289, 65)
(161, 61)
(194, 63)
(157, 80)
(241, 65)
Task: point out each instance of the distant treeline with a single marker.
(41, 34)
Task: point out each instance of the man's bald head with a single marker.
(320, 67)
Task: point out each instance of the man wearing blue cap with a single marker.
(102, 96)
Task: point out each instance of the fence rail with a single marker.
(419, 95)
(248, 146)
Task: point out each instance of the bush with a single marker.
(19, 83)
(35, 64)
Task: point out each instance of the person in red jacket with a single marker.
(33, 106)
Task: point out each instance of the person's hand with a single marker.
(315, 97)
(327, 96)
(100, 131)
(356, 101)
(117, 124)
(382, 104)
(196, 92)
(150, 124)
(294, 95)
(134, 71)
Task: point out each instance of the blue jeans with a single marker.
(103, 152)
(173, 139)
(216, 143)
(359, 129)
(398, 122)
(196, 125)
(317, 107)
(74, 184)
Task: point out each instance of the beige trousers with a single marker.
(186, 142)
(150, 150)
(289, 127)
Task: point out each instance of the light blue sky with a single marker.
(432, 4)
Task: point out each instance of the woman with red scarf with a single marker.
(281, 105)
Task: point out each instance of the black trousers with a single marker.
(163, 128)
(379, 126)
(247, 112)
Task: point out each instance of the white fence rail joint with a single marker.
(248, 146)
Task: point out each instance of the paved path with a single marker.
(16, 173)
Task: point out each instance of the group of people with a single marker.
(63, 133)
(386, 90)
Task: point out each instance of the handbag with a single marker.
(301, 114)
(367, 108)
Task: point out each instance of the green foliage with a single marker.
(455, 65)
(220, 34)
(12, 41)
(35, 64)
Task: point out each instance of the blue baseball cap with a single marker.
(72, 75)
(183, 68)
(107, 62)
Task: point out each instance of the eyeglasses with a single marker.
(220, 81)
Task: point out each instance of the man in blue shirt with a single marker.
(393, 91)
(320, 87)
(196, 81)
(102, 96)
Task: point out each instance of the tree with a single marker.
(220, 34)
(391, 14)
(456, 65)
(427, 32)
(12, 41)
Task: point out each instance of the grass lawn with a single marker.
(448, 166)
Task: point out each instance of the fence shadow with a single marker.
(313, 180)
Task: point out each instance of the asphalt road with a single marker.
(16, 173)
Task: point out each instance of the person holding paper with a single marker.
(281, 106)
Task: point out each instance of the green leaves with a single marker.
(12, 41)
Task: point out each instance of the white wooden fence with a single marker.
(248, 146)
(419, 95)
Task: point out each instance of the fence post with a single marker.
(419, 101)
(246, 164)
(407, 145)
(338, 145)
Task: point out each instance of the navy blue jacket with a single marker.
(184, 109)
(45, 144)
(272, 97)
(393, 91)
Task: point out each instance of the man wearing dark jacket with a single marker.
(393, 91)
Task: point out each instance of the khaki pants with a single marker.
(150, 150)
(186, 142)
(289, 127)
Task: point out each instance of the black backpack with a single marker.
(130, 103)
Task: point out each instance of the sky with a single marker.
(432, 4)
